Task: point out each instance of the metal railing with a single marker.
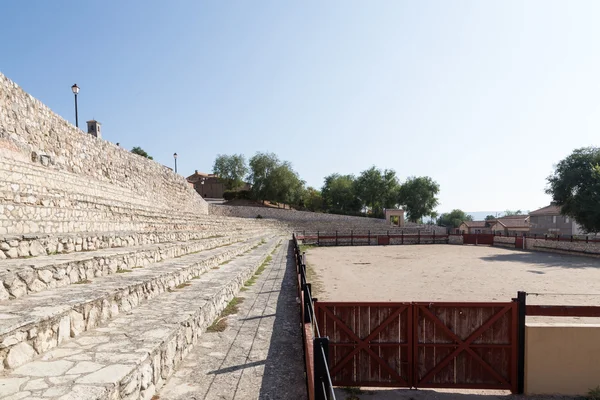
(319, 382)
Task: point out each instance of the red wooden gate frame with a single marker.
(322, 309)
(464, 345)
(415, 312)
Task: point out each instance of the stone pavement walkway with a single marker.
(259, 355)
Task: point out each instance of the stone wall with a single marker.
(311, 220)
(31, 132)
(579, 248)
(504, 241)
(455, 239)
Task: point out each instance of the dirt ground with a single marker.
(452, 273)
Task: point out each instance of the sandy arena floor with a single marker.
(451, 273)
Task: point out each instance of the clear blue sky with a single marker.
(484, 97)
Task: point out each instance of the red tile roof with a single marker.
(548, 210)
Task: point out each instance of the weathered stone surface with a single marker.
(4, 295)
(85, 367)
(110, 374)
(77, 323)
(44, 368)
(9, 386)
(35, 384)
(19, 354)
(64, 329)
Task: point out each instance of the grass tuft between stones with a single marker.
(220, 324)
(83, 282)
(124, 271)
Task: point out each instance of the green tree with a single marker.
(262, 166)
(274, 180)
(231, 170)
(490, 218)
(454, 218)
(286, 184)
(575, 187)
(377, 190)
(312, 199)
(141, 152)
(418, 197)
(338, 195)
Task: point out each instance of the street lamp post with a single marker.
(75, 90)
(175, 157)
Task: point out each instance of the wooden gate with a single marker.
(478, 238)
(519, 242)
(383, 240)
(436, 345)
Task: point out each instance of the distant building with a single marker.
(94, 129)
(475, 227)
(508, 225)
(210, 186)
(547, 220)
(511, 224)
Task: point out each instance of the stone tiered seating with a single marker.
(89, 313)
(110, 266)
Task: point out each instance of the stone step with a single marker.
(18, 219)
(33, 245)
(36, 323)
(131, 356)
(22, 277)
(23, 172)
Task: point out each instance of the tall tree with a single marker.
(575, 187)
(454, 218)
(141, 152)
(490, 218)
(338, 195)
(262, 166)
(313, 201)
(377, 190)
(231, 170)
(418, 196)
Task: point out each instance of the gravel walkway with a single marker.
(259, 354)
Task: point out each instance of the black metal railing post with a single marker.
(522, 313)
(336, 238)
(318, 241)
(418, 236)
(323, 387)
(306, 288)
(352, 238)
(369, 238)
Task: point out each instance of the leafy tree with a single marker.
(418, 196)
(490, 218)
(377, 190)
(454, 218)
(312, 199)
(286, 185)
(274, 180)
(231, 170)
(575, 187)
(338, 195)
(141, 152)
(261, 167)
